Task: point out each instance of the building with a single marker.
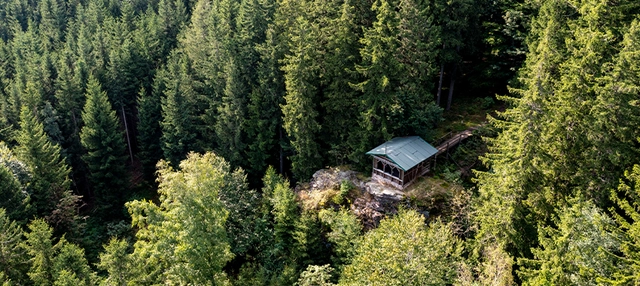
(402, 160)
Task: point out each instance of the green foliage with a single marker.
(49, 171)
(13, 196)
(231, 116)
(403, 251)
(13, 259)
(345, 235)
(178, 121)
(243, 228)
(70, 262)
(345, 187)
(40, 248)
(626, 215)
(494, 268)
(251, 274)
(57, 264)
(49, 184)
(183, 240)
(316, 275)
(300, 110)
(558, 137)
(577, 252)
(116, 261)
(105, 156)
(149, 130)
(398, 55)
(263, 111)
(285, 215)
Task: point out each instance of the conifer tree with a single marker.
(627, 217)
(69, 96)
(173, 15)
(285, 215)
(264, 122)
(340, 28)
(300, 110)
(12, 194)
(52, 22)
(55, 264)
(149, 130)
(105, 154)
(395, 75)
(554, 143)
(457, 20)
(40, 247)
(13, 259)
(231, 116)
(179, 132)
(116, 261)
(513, 155)
(577, 252)
(50, 174)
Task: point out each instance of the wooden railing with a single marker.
(443, 139)
(452, 140)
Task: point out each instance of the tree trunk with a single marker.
(126, 131)
(453, 81)
(441, 78)
(281, 152)
(440, 84)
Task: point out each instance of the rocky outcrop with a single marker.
(374, 201)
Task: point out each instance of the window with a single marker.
(395, 172)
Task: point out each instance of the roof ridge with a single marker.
(405, 143)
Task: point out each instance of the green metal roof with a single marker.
(406, 152)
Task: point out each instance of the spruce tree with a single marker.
(264, 124)
(341, 31)
(576, 252)
(55, 264)
(12, 195)
(149, 130)
(105, 154)
(50, 174)
(627, 218)
(40, 247)
(231, 116)
(300, 111)
(559, 136)
(513, 155)
(179, 121)
(13, 259)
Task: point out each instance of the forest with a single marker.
(148, 142)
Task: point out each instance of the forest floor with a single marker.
(467, 112)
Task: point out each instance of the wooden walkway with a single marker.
(451, 140)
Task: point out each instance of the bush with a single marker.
(345, 187)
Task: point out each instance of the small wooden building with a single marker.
(402, 160)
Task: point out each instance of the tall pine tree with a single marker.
(105, 154)
(49, 186)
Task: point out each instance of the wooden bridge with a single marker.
(451, 139)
